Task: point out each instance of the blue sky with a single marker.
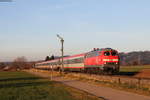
(29, 27)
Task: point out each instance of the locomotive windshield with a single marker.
(114, 53)
(107, 53)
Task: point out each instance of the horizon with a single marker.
(28, 28)
(43, 59)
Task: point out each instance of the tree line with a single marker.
(18, 64)
(49, 58)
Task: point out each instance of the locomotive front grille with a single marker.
(111, 63)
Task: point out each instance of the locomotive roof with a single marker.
(106, 49)
(102, 49)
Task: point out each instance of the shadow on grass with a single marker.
(17, 79)
(14, 85)
(127, 73)
(67, 81)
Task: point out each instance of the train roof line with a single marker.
(76, 55)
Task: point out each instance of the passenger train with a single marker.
(96, 61)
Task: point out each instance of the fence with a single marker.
(129, 81)
(142, 83)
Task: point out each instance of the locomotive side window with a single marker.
(88, 55)
(97, 54)
(114, 53)
(107, 53)
(100, 53)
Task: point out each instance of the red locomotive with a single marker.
(96, 61)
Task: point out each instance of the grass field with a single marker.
(131, 70)
(24, 86)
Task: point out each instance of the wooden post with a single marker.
(139, 82)
(119, 81)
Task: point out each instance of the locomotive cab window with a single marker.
(107, 53)
(114, 53)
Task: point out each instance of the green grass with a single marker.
(133, 68)
(24, 86)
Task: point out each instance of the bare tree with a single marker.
(2, 65)
(20, 63)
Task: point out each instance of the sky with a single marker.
(29, 27)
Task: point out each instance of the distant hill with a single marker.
(135, 58)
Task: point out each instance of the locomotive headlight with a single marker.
(110, 59)
(114, 59)
(106, 59)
